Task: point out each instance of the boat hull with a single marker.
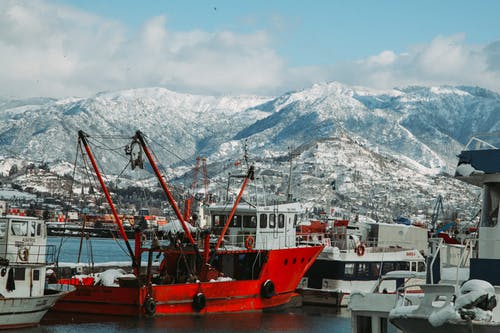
(28, 311)
(284, 268)
(322, 297)
(418, 325)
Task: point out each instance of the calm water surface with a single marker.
(303, 319)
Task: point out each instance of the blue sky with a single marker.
(80, 47)
(321, 31)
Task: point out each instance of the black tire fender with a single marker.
(150, 306)
(267, 289)
(199, 301)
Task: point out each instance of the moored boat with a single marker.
(355, 261)
(472, 306)
(24, 256)
(248, 260)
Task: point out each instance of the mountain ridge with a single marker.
(420, 129)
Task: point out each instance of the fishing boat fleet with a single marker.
(255, 257)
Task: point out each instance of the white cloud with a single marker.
(383, 58)
(52, 50)
(445, 60)
(47, 49)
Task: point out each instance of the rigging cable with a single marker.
(71, 191)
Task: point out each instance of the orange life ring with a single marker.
(249, 242)
(360, 250)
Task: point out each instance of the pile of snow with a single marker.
(222, 279)
(466, 170)
(446, 313)
(109, 278)
(475, 301)
(175, 227)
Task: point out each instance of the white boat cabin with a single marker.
(258, 227)
(23, 256)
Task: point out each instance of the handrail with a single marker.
(463, 257)
(480, 142)
(436, 253)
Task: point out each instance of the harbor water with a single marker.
(297, 319)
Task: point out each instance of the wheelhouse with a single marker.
(264, 227)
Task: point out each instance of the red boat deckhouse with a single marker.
(248, 261)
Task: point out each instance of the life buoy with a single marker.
(267, 289)
(360, 250)
(199, 301)
(23, 254)
(150, 306)
(249, 242)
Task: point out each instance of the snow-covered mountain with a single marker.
(365, 141)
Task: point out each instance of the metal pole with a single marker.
(83, 138)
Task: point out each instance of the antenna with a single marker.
(245, 154)
(289, 195)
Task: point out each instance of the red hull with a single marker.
(284, 267)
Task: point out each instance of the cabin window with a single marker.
(272, 221)
(19, 228)
(349, 270)
(421, 267)
(387, 267)
(295, 220)
(250, 221)
(263, 221)
(3, 226)
(236, 221)
(403, 266)
(38, 229)
(413, 266)
(36, 275)
(281, 221)
(362, 270)
(32, 228)
(19, 274)
(491, 201)
(395, 266)
(218, 222)
(375, 269)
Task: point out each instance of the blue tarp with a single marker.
(403, 220)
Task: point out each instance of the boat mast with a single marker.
(249, 176)
(138, 136)
(82, 137)
(289, 195)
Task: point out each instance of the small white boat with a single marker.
(24, 255)
(472, 307)
(444, 310)
(370, 311)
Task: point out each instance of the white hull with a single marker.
(337, 272)
(27, 311)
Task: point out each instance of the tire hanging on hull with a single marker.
(199, 301)
(267, 289)
(150, 306)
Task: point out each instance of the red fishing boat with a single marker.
(248, 260)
